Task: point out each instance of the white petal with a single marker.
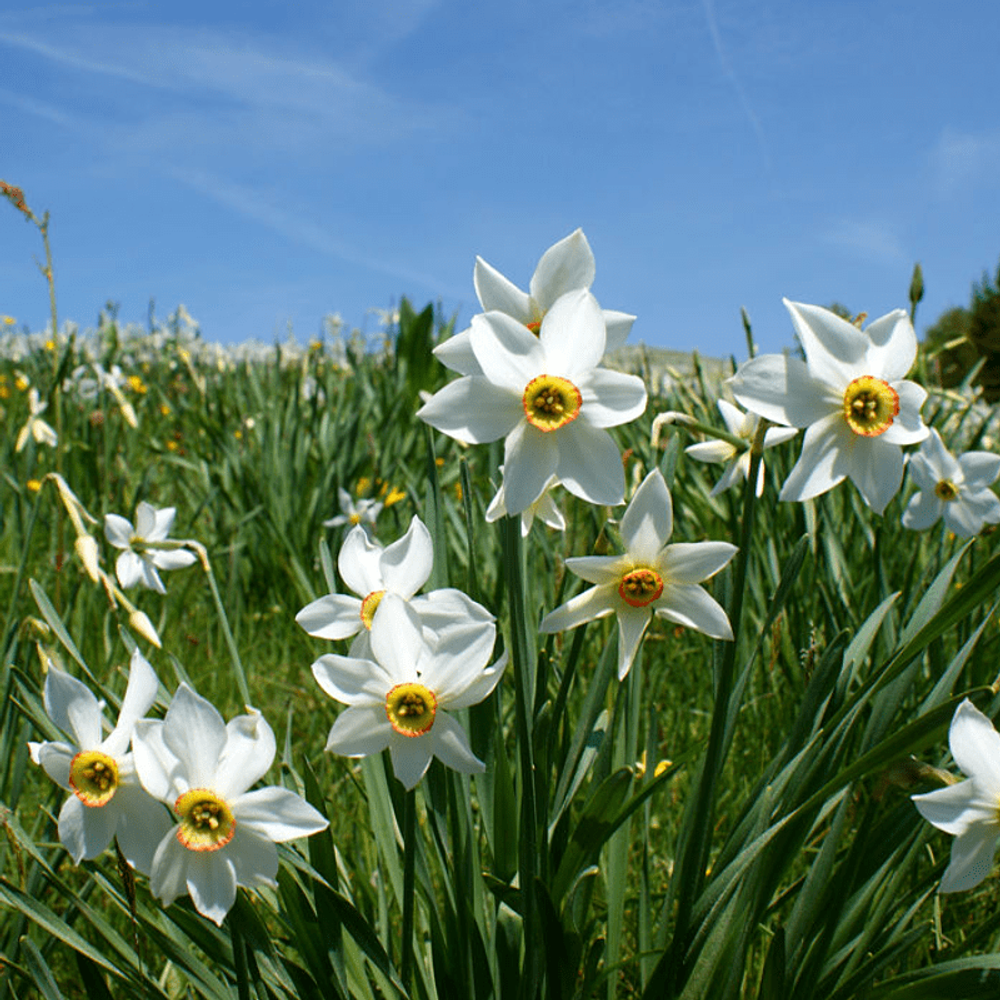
(456, 353)
(530, 458)
(715, 451)
(922, 511)
(603, 569)
(892, 347)
(447, 608)
(907, 426)
(168, 875)
(955, 808)
(979, 468)
(86, 831)
(158, 767)
(589, 464)
(933, 462)
(352, 681)
(735, 473)
(690, 605)
(359, 564)
(139, 697)
(248, 753)
(834, 348)
(566, 266)
(360, 732)
(335, 616)
(572, 334)
(450, 745)
(618, 326)
(406, 564)
(497, 292)
(277, 814)
(55, 759)
(648, 520)
(73, 708)
(963, 518)
(172, 558)
(128, 569)
(118, 531)
(876, 468)
(737, 422)
(586, 607)
(611, 398)
(411, 756)
(148, 576)
(778, 435)
(254, 858)
(507, 351)
(194, 732)
(458, 660)
(819, 466)
(142, 823)
(782, 389)
(398, 639)
(971, 859)
(482, 686)
(146, 522)
(211, 881)
(975, 745)
(632, 625)
(692, 562)
(473, 409)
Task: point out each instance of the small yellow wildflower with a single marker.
(165, 410)
(50, 345)
(172, 446)
(34, 485)
(364, 485)
(136, 384)
(395, 495)
(8, 320)
(21, 381)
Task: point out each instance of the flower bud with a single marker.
(140, 623)
(86, 549)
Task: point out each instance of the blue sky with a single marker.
(266, 163)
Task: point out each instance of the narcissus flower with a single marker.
(969, 810)
(36, 427)
(567, 266)
(223, 834)
(651, 577)
(399, 698)
(851, 397)
(141, 558)
(957, 489)
(543, 507)
(363, 511)
(372, 571)
(547, 396)
(737, 469)
(107, 799)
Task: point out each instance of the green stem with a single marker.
(409, 857)
(227, 634)
(239, 960)
(521, 663)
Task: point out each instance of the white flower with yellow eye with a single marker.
(399, 698)
(36, 427)
(364, 511)
(141, 558)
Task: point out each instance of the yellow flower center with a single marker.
(354, 518)
(410, 709)
(369, 606)
(551, 402)
(93, 776)
(207, 822)
(640, 587)
(870, 404)
(946, 490)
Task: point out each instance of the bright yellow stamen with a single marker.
(410, 709)
(207, 822)
(93, 776)
(946, 490)
(640, 587)
(369, 606)
(870, 404)
(551, 402)
(354, 518)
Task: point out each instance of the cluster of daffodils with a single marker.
(176, 793)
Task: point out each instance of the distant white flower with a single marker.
(651, 577)
(141, 558)
(107, 799)
(968, 810)
(363, 512)
(851, 397)
(372, 571)
(543, 507)
(223, 834)
(549, 398)
(956, 489)
(567, 266)
(743, 425)
(36, 427)
(398, 697)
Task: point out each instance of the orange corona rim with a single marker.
(640, 587)
(207, 822)
(551, 402)
(410, 709)
(93, 776)
(870, 406)
(369, 606)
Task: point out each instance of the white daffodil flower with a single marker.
(223, 834)
(743, 425)
(547, 396)
(957, 489)
(968, 810)
(36, 427)
(372, 571)
(543, 507)
(398, 697)
(567, 266)
(851, 397)
(107, 799)
(651, 577)
(363, 512)
(141, 559)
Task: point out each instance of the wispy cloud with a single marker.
(873, 240)
(40, 109)
(962, 159)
